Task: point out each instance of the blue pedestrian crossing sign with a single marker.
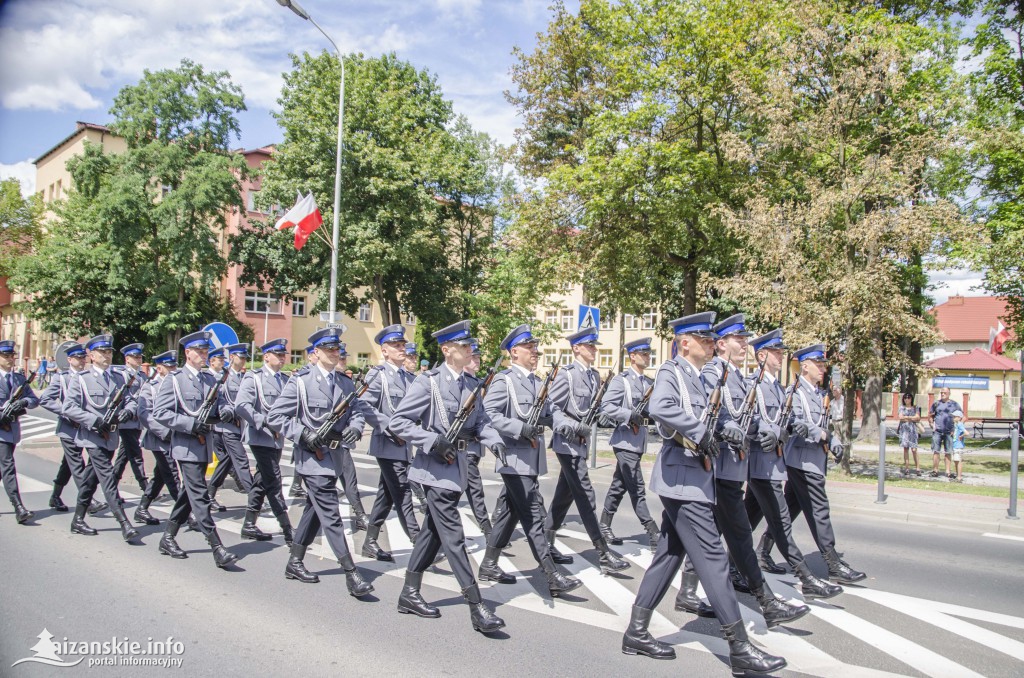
(590, 318)
(223, 335)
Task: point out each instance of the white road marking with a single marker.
(1002, 536)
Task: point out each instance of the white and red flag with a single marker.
(998, 337)
(303, 219)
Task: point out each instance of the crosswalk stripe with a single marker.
(27, 484)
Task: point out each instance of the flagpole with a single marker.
(299, 11)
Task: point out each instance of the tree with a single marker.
(19, 224)
(135, 249)
(419, 191)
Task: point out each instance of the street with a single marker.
(938, 602)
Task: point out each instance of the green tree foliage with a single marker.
(20, 220)
(419, 191)
(137, 247)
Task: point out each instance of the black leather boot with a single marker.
(56, 503)
(214, 504)
(128, 532)
(483, 619)
(485, 527)
(295, 569)
(556, 556)
(192, 525)
(296, 491)
(357, 586)
(610, 561)
(606, 528)
(489, 570)
(410, 601)
(764, 555)
(839, 570)
(221, 555)
(286, 529)
(360, 521)
(558, 583)
(168, 545)
(776, 611)
(638, 640)
(653, 534)
(371, 549)
(688, 601)
(249, 529)
(739, 582)
(746, 658)
(21, 514)
(142, 514)
(97, 507)
(812, 587)
(78, 525)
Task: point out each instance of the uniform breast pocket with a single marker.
(317, 405)
(395, 399)
(97, 395)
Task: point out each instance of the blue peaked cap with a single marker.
(812, 352)
(458, 332)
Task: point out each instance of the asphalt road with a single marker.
(937, 603)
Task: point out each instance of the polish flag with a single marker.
(303, 219)
(998, 338)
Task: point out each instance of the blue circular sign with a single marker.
(223, 335)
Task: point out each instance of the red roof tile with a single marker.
(978, 359)
(969, 318)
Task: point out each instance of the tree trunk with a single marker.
(690, 274)
(849, 411)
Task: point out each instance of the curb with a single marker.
(1005, 526)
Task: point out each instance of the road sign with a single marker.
(338, 326)
(590, 318)
(330, 318)
(223, 335)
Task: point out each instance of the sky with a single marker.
(62, 61)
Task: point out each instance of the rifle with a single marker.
(786, 416)
(8, 411)
(324, 432)
(109, 424)
(455, 428)
(591, 414)
(826, 417)
(710, 419)
(747, 415)
(641, 406)
(538, 405)
(207, 407)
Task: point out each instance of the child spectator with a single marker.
(959, 448)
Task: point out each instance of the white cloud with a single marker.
(24, 172)
(459, 8)
(955, 281)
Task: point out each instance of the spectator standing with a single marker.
(941, 416)
(909, 419)
(959, 448)
(41, 374)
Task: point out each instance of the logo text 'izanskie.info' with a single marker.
(114, 652)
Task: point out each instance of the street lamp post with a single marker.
(303, 14)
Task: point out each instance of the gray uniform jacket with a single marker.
(384, 392)
(178, 401)
(134, 389)
(766, 464)
(229, 420)
(508, 402)
(421, 404)
(52, 400)
(257, 394)
(679, 473)
(14, 435)
(624, 392)
(728, 465)
(808, 453)
(571, 394)
(157, 436)
(88, 399)
(305, 402)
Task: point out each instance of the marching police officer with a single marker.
(349, 480)
(765, 496)
(625, 395)
(129, 450)
(572, 394)
(183, 400)
(509, 401)
(73, 463)
(10, 428)
(474, 483)
(157, 440)
(304, 405)
(806, 462)
(687, 492)
(256, 396)
(730, 474)
(412, 358)
(91, 395)
(393, 455)
(295, 491)
(423, 418)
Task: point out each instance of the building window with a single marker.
(363, 359)
(551, 317)
(250, 200)
(262, 302)
(604, 358)
(629, 322)
(550, 356)
(568, 320)
(299, 307)
(365, 313)
(564, 357)
(606, 323)
(649, 319)
(297, 357)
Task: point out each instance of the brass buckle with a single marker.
(333, 445)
